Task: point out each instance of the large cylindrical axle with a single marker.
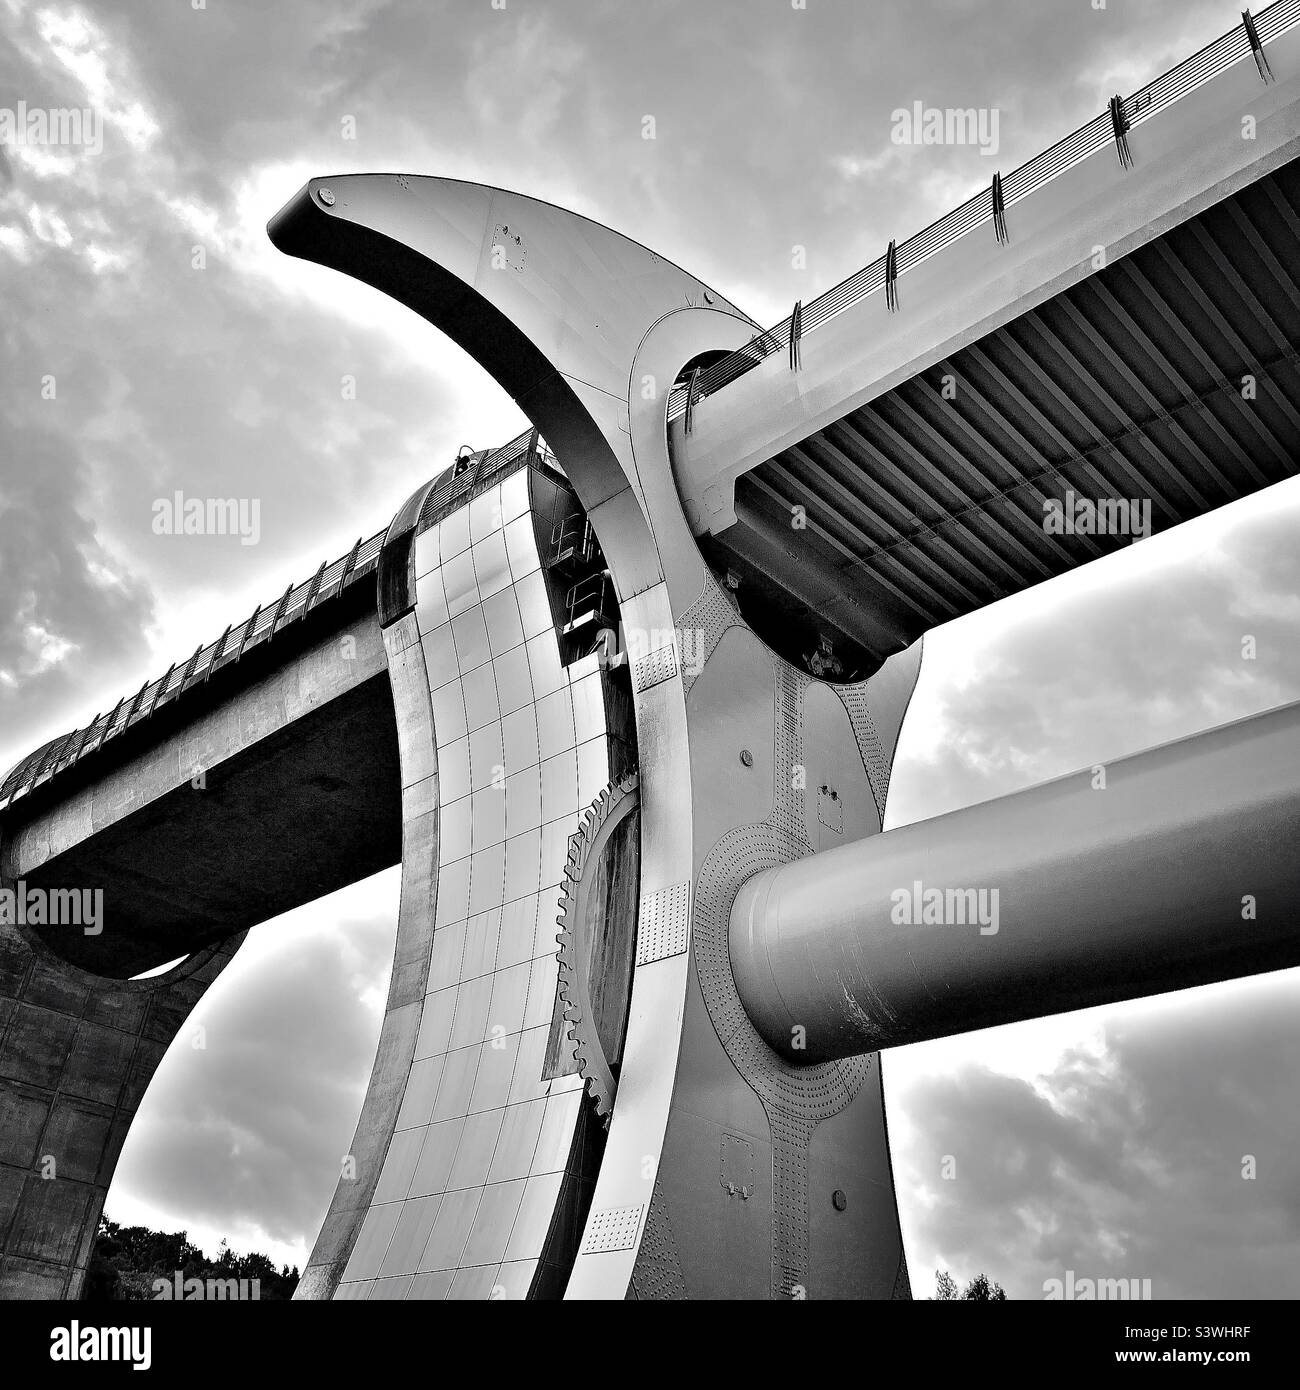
(1178, 866)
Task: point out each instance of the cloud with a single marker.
(1148, 1151)
(67, 605)
(244, 1137)
(190, 355)
(1131, 651)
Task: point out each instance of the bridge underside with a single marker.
(1170, 376)
(294, 816)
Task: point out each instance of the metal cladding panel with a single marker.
(473, 1185)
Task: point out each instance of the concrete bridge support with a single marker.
(76, 1054)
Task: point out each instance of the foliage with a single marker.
(979, 1289)
(127, 1259)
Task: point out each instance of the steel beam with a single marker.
(1175, 867)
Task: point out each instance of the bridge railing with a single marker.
(1230, 48)
(235, 642)
(329, 581)
(453, 490)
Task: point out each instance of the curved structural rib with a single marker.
(473, 1155)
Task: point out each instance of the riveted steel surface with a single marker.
(1170, 868)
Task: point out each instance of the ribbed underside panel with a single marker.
(1170, 377)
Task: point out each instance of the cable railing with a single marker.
(329, 581)
(1178, 82)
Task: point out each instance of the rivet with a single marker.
(325, 196)
(746, 757)
(838, 1200)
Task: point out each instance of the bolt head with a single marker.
(746, 757)
(838, 1200)
(325, 196)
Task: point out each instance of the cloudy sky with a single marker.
(185, 353)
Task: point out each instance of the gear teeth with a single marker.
(592, 1066)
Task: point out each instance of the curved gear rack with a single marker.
(586, 847)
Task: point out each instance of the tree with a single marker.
(980, 1289)
(126, 1261)
(103, 1283)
